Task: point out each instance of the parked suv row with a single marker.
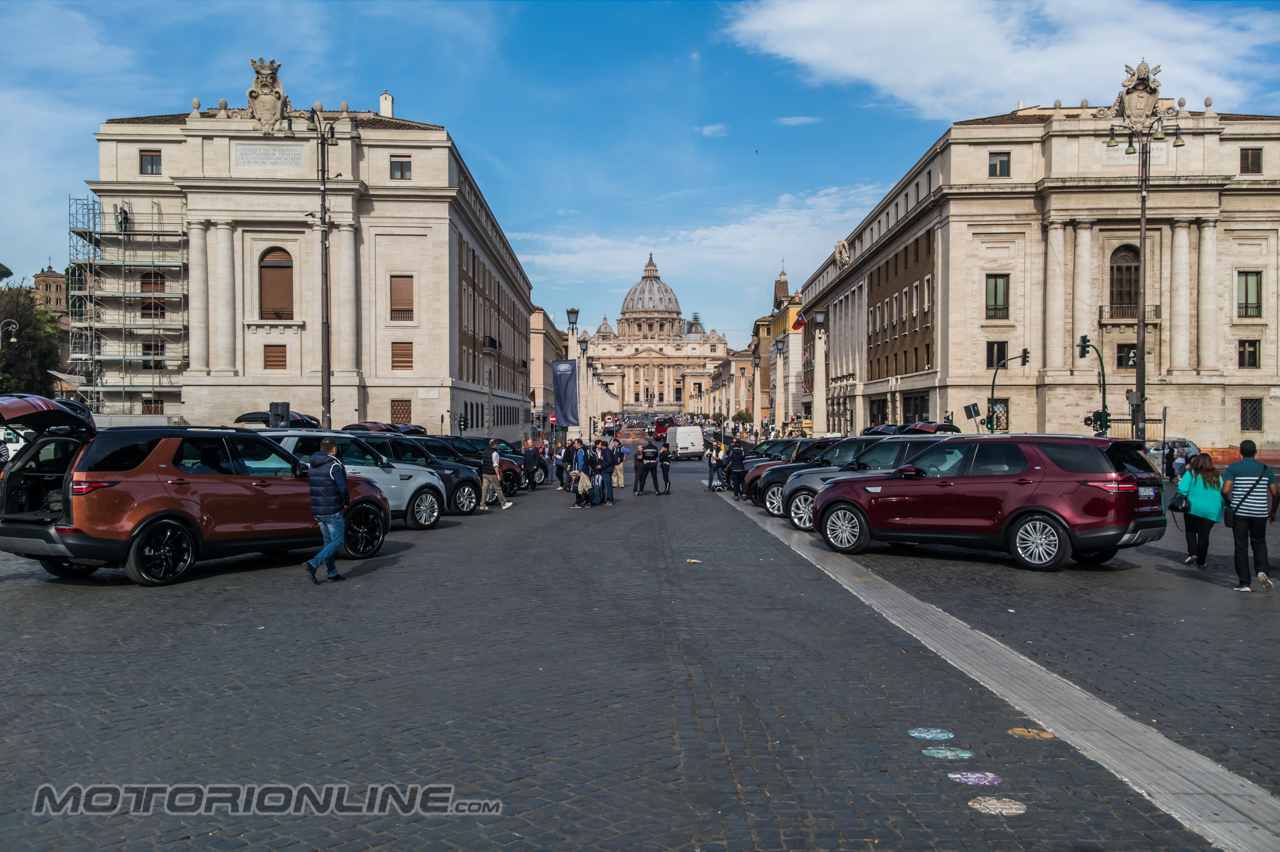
(154, 500)
(1042, 498)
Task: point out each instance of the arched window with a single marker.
(1124, 283)
(659, 396)
(153, 282)
(275, 285)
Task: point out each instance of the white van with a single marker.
(685, 442)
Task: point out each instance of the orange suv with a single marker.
(155, 500)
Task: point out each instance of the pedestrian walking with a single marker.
(530, 465)
(581, 475)
(562, 465)
(620, 454)
(1168, 461)
(649, 466)
(493, 479)
(1179, 464)
(637, 471)
(736, 462)
(329, 498)
(1202, 486)
(664, 464)
(1250, 491)
(607, 466)
(713, 457)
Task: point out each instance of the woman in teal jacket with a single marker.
(1202, 485)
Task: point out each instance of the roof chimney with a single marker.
(1022, 104)
(386, 104)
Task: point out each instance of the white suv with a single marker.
(415, 494)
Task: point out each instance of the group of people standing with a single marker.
(1246, 496)
(591, 470)
(728, 462)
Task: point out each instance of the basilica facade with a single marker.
(656, 361)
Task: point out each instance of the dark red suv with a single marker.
(1042, 498)
(154, 500)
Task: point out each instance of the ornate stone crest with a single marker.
(267, 101)
(1139, 102)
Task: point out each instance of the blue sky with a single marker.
(721, 137)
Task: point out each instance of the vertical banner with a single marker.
(564, 378)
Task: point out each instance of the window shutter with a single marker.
(401, 411)
(275, 357)
(402, 356)
(402, 297)
(275, 284)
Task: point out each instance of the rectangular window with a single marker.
(401, 169)
(1249, 286)
(149, 162)
(928, 286)
(998, 164)
(1250, 161)
(1248, 354)
(153, 350)
(895, 310)
(997, 297)
(401, 297)
(928, 180)
(401, 411)
(402, 356)
(152, 309)
(1126, 356)
(915, 360)
(153, 406)
(275, 357)
(1251, 415)
(997, 351)
(915, 299)
(928, 360)
(999, 414)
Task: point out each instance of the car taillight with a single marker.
(68, 531)
(1113, 487)
(79, 488)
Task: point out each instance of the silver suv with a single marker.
(882, 457)
(415, 494)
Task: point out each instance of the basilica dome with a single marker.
(650, 295)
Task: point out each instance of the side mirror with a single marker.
(383, 461)
(908, 471)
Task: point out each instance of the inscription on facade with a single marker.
(272, 156)
(1117, 157)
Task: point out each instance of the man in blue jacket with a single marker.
(606, 462)
(329, 499)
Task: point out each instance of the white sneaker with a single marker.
(508, 505)
(1243, 589)
(1188, 560)
(1267, 585)
(483, 509)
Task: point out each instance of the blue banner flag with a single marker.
(564, 378)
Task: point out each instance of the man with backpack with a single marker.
(735, 461)
(1249, 490)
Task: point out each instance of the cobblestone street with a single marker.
(663, 674)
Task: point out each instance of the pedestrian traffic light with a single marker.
(1084, 346)
(1026, 356)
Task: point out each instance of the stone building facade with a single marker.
(546, 344)
(430, 307)
(1021, 231)
(656, 362)
(50, 289)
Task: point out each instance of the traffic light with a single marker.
(463, 423)
(1084, 346)
(1098, 421)
(1026, 356)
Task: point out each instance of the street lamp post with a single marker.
(572, 315)
(755, 393)
(326, 138)
(1143, 123)
(582, 355)
(11, 328)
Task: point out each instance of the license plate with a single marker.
(1146, 492)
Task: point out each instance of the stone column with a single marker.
(1180, 286)
(198, 297)
(820, 382)
(1055, 298)
(223, 303)
(346, 323)
(1208, 301)
(1082, 310)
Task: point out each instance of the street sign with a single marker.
(972, 411)
(608, 419)
(553, 420)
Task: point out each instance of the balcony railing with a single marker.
(401, 314)
(1249, 310)
(997, 311)
(1126, 312)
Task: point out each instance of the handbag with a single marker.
(1229, 511)
(1179, 503)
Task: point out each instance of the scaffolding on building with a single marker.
(127, 303)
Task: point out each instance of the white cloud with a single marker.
(713, 130)
(724, 270)
(971, 58)
(794, 120)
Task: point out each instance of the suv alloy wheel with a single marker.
(161, 554)
(845, 528)
(773, 500)
(1039, 543)
(539, 476)
(423, 511)
(366, 527)
(465, 499)
(800, 510)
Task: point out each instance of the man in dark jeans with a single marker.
(605, 462)
(1249, 488)
(329, 498)
(649, 466)
(735, 461)
(531, 460)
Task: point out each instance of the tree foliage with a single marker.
(5, 272)
(25, 365)
(743, 416)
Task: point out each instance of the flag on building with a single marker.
(800, 321)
